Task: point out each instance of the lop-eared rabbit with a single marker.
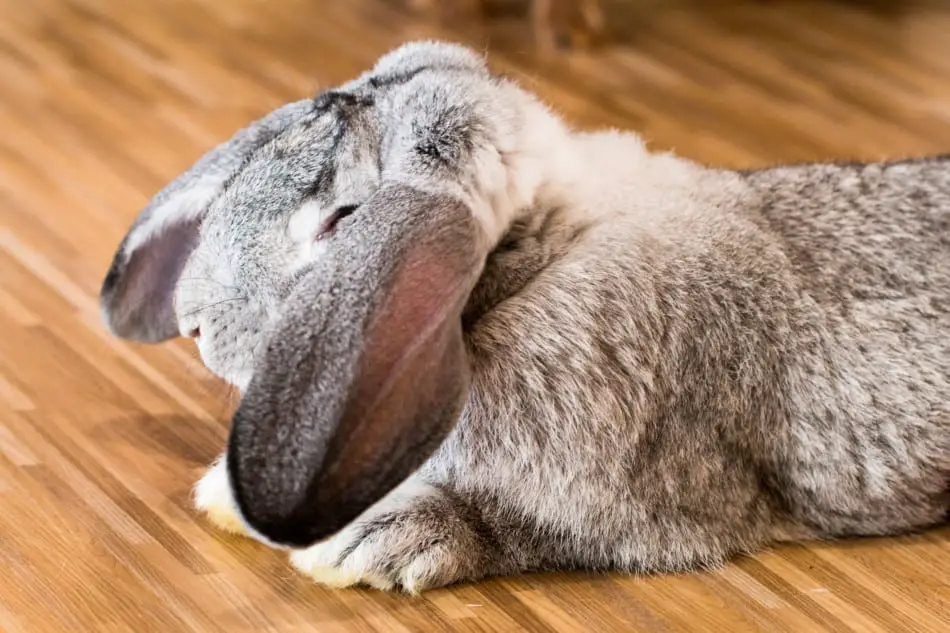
(472, 341)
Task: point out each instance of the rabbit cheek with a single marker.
(229, 350)
(228, 337)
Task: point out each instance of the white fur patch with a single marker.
(214, 498)
(302, 229)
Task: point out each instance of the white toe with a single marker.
(213, 497)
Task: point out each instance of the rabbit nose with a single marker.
(194, 332)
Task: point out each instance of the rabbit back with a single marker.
(868, 398)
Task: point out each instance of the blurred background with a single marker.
(102, 102)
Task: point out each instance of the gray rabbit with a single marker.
(474, 342)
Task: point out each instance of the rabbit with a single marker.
(472, 341)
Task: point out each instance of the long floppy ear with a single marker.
(366, 372)
(136, 295)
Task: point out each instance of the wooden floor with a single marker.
(103, 101)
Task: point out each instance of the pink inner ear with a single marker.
(412, 378)
(138, 293)
(426, 295)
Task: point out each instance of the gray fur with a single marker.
(137, 293)
(667, 364)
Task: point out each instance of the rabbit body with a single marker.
(717, 362)
(727, 360)
(669, 364)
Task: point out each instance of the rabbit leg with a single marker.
(415, 539)
(213, 498)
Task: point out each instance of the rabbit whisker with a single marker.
(211, 305)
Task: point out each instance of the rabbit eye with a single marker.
(328, 226)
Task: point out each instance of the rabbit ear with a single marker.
(365, 374)
(136, 295)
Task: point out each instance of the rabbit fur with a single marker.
(629, 361)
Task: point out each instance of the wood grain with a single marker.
(103, 101)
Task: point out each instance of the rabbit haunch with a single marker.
(525, 347)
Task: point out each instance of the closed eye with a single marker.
(328, 225)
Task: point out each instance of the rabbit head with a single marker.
(322, 258)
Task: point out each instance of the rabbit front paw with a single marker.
(413, 541)
(214, 499)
